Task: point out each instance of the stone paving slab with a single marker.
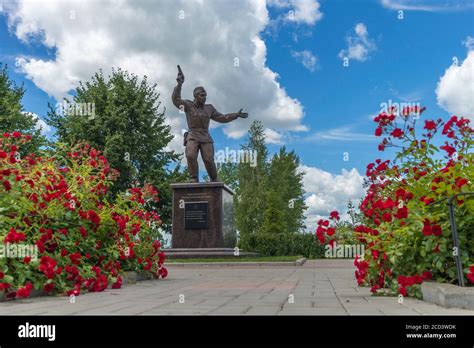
(319, 287)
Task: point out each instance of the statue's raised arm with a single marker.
(180, 77)
(176, 97)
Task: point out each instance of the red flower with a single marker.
(46, 266)
(375, 254)
(75, 258)
(397, 133)
(83, 232)
(16, 134)
(7, 185)
(163, 272)
(40, 246)
(389, 204)
(470, 275)
(426, 200)
(48, 287)
(405, 281)
(402, 290)
(118, 284)
(14, 237)
(426, 275)
(330, 231)
(449, 149)
(387, 217)
(436, 230)
(93, 153)
(334, 215)
(3, 154)
(63, 231)
(93, 217)
(4, 286)
(2, 275)
(161, 258)
(378, 131)
(460, 182)
(426, 228)
(402, 213)
(320, 235)
(430, 125)
(24, 292)
(74, 292)
(324, 223)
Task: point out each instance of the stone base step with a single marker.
(186, 253)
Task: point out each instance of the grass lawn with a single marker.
(239, 259)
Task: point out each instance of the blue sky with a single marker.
(411, 55)
(402, 60)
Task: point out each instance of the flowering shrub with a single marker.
(58, 205)
(325, 232)
(406, 232)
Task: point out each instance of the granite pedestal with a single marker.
(203, 216)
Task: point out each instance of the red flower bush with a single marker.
(406, 232)
(57, 205)
(324, 230)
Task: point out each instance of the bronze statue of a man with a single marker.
(198, 116)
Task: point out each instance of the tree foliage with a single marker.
(270, 194)
(13, 118)
(128, 125)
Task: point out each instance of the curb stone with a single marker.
(448, 295)
(296, 263)
(129, 277)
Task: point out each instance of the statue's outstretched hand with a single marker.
(180, 77)
(242, 114)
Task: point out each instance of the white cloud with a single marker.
(309, 60)
(328, 192)
(299, 11)
(273, 137)
(455, 89)
(428, 5)
(359, 46)
(40, 124)
(151, 38)
(301, 15)
(345, 133)
(305, 11)
(469, 43)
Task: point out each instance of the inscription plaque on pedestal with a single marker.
(195, 215)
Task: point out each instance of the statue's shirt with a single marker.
(198, 118)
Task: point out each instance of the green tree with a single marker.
(285, 203)
(12, 115)
(227, 172)
(252, 186)
(274, 221)
(125, 121)
(355, 214)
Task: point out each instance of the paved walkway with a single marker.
(321, 287)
